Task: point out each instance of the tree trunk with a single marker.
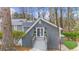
(7, 41)
(61, 18)
(68, 23)
(38, 12)
(23, 11)
(56, 15)
(50, 12)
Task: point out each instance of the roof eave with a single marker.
(52, 24)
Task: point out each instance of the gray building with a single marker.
(17, 24)
(41, 34)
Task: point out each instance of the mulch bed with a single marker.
(19, 48)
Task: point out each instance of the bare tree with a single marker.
(43, 12)
(38, 12)
(61, 18)
(56, 15)
(22, 9)
(50, 12)
(68, 18)
(52, 15)
(7, 41)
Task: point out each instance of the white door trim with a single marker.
(40, 34)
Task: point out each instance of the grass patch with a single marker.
(70, 44)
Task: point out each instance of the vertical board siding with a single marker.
(27, 39)
(52, 32)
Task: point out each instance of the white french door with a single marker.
(40, 31)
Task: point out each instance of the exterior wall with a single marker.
(25, 28)
(27, 39)
(52, 32)
(16, 24)
(14, 27)
(53, 35)
(17, 27)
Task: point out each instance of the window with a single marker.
(19, 27)
(40, 31)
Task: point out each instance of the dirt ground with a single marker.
(19, 48)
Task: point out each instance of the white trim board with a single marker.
(51, 24)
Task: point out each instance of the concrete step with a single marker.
(40, 44)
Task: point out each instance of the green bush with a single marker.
(16, 34)
(0, 35)
(71, 35)
(70, 44)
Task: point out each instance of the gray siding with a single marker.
(53, 35)
(52, 32)
(25, 28)
(27, 39)
(19, 27)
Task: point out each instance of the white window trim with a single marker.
(40, 31)
(22, 28)
(15, 27)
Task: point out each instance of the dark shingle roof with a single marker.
(28, 24)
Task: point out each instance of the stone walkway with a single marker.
(64, 48)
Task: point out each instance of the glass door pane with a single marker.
(41, 31)
(38, 32)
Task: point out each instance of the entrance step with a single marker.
(40, 44)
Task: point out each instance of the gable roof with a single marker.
(44, 21)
